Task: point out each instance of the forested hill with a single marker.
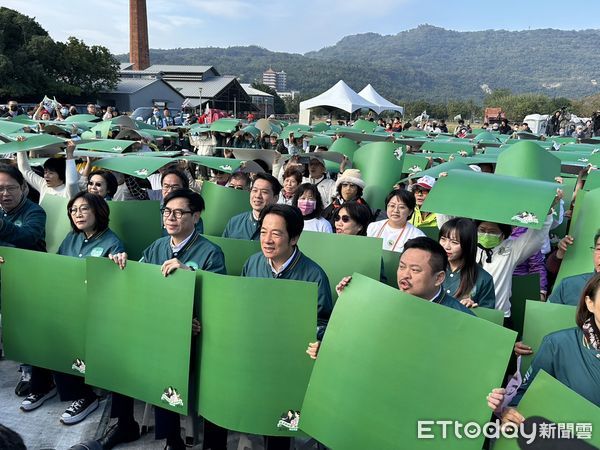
(427, 63)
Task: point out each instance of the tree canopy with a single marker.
(33, 64)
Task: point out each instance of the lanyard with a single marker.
(397, 239)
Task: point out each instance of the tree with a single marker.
(32, 64)
(278, 104)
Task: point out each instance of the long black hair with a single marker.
(465, 232)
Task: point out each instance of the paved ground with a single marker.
(41, 429)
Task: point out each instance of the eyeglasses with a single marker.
(170, 187)
(9, 189)
(178, 213)
(84, 209)
(345, 218)
(96, 183)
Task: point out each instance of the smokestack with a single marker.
(139, 52)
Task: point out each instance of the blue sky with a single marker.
(292, 26)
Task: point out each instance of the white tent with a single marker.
(340, 96)
(370, 94)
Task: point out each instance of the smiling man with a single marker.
(264, 192)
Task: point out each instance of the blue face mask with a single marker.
(156, 113)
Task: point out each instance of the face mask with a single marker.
(156, 113)
(64, 112)
(487, 240)
(306, 206)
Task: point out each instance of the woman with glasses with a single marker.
(90, 236)
(396, 230)
(349, 187)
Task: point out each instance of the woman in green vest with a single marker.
(572, 356)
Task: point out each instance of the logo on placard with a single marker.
(398, 153)
(225, 168)
(117, 148)
(97, 251)
(141, 172)
(17, 223)
(414, 169)
(583, 160)
(525, 217)
(79, 365)
(172, 397)
(289, 420)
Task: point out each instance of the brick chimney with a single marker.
(139, 52)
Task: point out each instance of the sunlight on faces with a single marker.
(171, 183)
(274, 239)
(83, 216)
(52, 178)
(344, 224)
(98, 186)
(290, 186)
(452, 246)
(180, 228)
(349, 191)
(261, 195)
(11, 193)
(397, 212)
(415, 275)
(420, 195)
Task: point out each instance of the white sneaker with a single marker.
(34, 401)
(79, 410)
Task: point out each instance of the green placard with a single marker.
(524, 287)
(339, 255)
(541, 319)
(137, 223)
(8, 126)
(549, 398)
(236, 252)
(526, 159)
(225, 125)
(253, 362)
(585, 224)
(499, 198)
(44, 142)
(134, 165)
(493, 315)
(109, 145)
(449, 147)
(139, 331)
(43, 315)
(391, 260)
(226, 165)
(414, 163)
(437, 169)
(366, 394)
(380, 164)
(57, 221)
(344, 146)
(593, 181)
(222, 203)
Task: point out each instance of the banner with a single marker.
(222, 203)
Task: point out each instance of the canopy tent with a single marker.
(340, 96)
(370, 94)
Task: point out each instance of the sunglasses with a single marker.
(343, 218)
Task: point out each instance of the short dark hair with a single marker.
(438, 260)
(407, 197)
(111, 181)
(11, 439)
(505, 229)
(173, 171)
(274, 182)
(12, 172)
(358, 212)
(590, 290)
(57, 165)
(293, 172)
(99, 208)
(195, 200)
(596, 237)
(294, 221)
(316, 194)
(243, 176)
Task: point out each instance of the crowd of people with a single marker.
(469, 264)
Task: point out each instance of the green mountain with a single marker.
(427, 63)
